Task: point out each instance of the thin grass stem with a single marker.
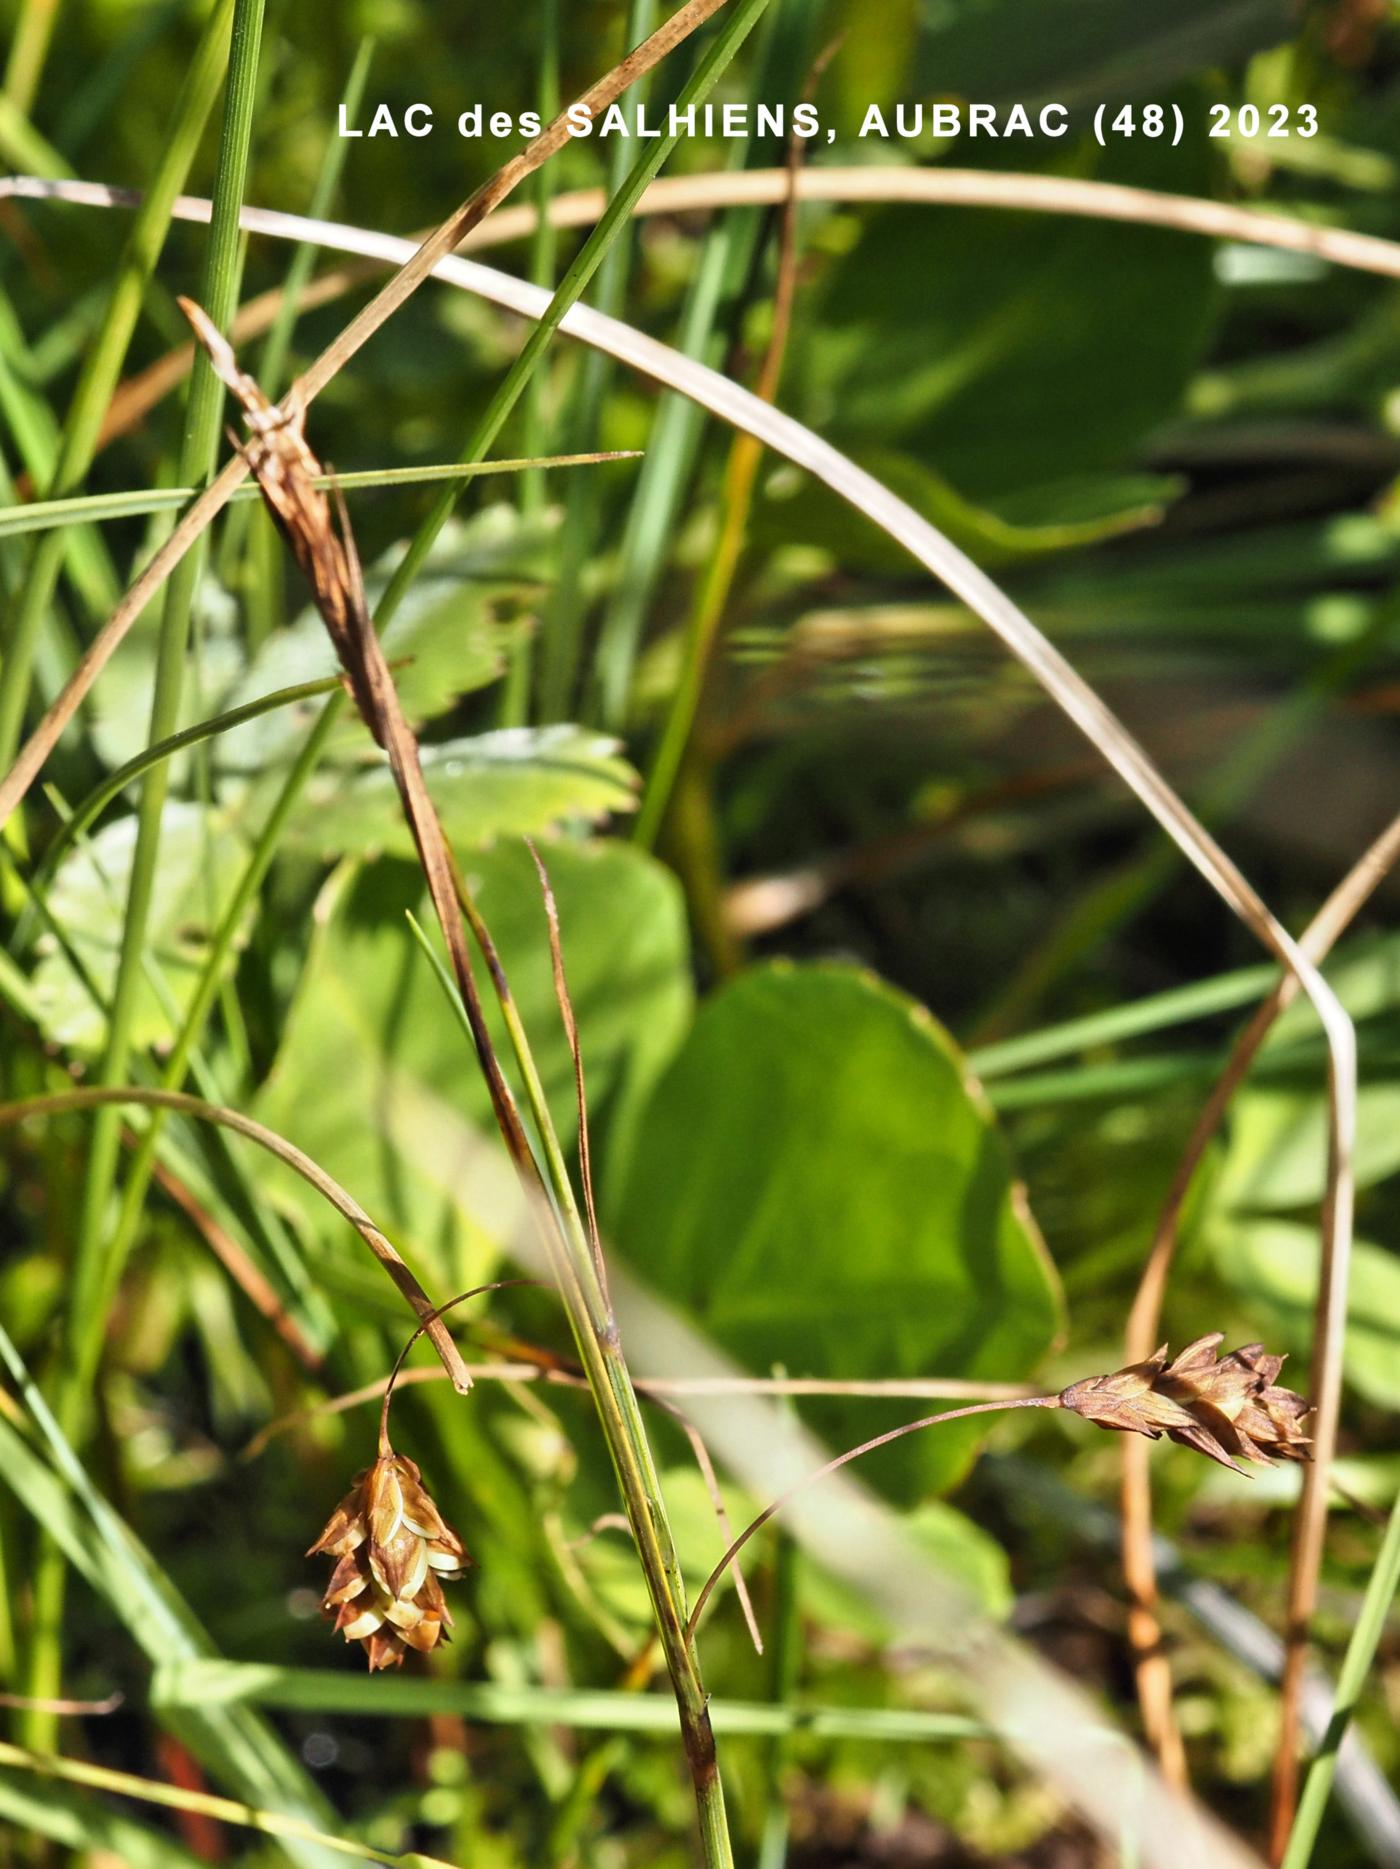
(1356, 1665)
(103, 359)
(834, 1465)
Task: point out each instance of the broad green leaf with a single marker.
(1273, 1265)
(376, 1080)
(1083, 50)
(519, 781)
(1277, 1154)
(201, 859)
(820, 1184)
(443, 641)
(955, 1546)
(971, 341)
(1064, 518)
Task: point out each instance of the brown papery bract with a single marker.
(1228, 1408)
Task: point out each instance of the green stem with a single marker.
(1356, 1665)
(37, 435)
(104, 361)
(595, 1332)
(28, 51)
(94, 1269)
(210, 980)
(177, 1798)
(219, 295)
(724, 263)
(702, 629)
(264, 610)
(43, 515)
(564, 607)
(544, 245)
(619, 211)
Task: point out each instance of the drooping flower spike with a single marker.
(394, 1551)
(1227, 1408)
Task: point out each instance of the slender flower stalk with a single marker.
(1219, 1408)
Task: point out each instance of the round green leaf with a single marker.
(820, 1183)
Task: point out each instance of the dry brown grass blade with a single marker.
(689, 194)
(38, 1704)
(415, 268)
(345, 1204)
(657, 1387)
(1083, 706)
(1144, 1320)
(324, 547)
(256, 1289)
(669, 194)
(287, 472)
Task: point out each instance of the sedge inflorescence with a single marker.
(1228, 1408)
(393, 1551)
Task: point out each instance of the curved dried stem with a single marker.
(668, 195)
(546, 1368)
(1144, 1322)
(425, 1324)
(1082, 705)
(691, 194)
(62, 1101)
(833, 1466)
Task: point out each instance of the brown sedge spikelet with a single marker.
(1228, 1408)
(393, 1551)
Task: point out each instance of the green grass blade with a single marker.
(726, 257)
(582, 512)
(590, 256)
(293, 1830)
(79, 1823)
(61, 1497)
(327, 1690)
(219, 295)
(104, 360)
(1356, 1665)
(37, 439)
(42, 515)
(1226, 992)
(92, 1272)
